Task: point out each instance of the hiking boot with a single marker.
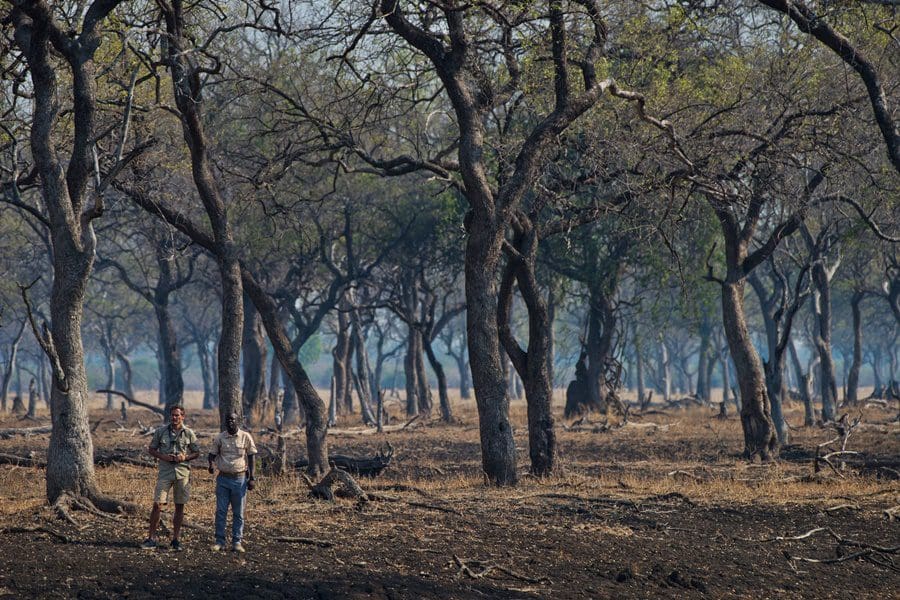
(239, 547)
(217, 547)
(176, 546)
(148, 544)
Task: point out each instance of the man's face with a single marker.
(177, 418)
(231, 423)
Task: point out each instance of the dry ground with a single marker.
(643, 511)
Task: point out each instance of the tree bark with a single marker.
(438, 368)
(253, 344)
(11, 364)
(341, 365)
(828, 380)
(760, 438)
(423, 387)
(856, 364)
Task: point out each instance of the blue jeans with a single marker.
(230, 492)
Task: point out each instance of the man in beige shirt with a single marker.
(232, 451)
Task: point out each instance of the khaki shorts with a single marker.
(164, 487)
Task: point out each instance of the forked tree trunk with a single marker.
(760, 439)
(531, 364)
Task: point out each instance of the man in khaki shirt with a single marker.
(233, 451)
(175, 446)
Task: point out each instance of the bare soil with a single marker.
(663, 507)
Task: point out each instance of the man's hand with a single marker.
(210, 469)
(250, 484)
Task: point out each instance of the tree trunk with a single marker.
(423, 391)
(804, 384)
(498, 450)
(704, 358)
(253, 344)
(341, 365)
(828, 380)
(411, 375)
(291, 409)
(172, 387)
(852, 393)
(438, 368)
(363, 372)
(665, 371)
(32, 399)
(127, 375)
(11, 364)
(760, 439)
(531, 364)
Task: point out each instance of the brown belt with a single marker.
(232, 475)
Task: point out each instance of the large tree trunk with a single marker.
(760, 439)
(253, 392)
(70, 460)
(498, 450)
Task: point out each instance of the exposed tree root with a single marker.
(477, 569)
(98, 505)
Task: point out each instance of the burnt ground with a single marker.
(664, 507)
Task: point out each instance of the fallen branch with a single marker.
(160, 411)
(476, 569)
(37, 529)
(303, 540)
(22, 461)
(14, 431)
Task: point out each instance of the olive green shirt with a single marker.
(168, 441)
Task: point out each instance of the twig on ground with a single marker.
(303, 540)
(37, 529)
(476, 569)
